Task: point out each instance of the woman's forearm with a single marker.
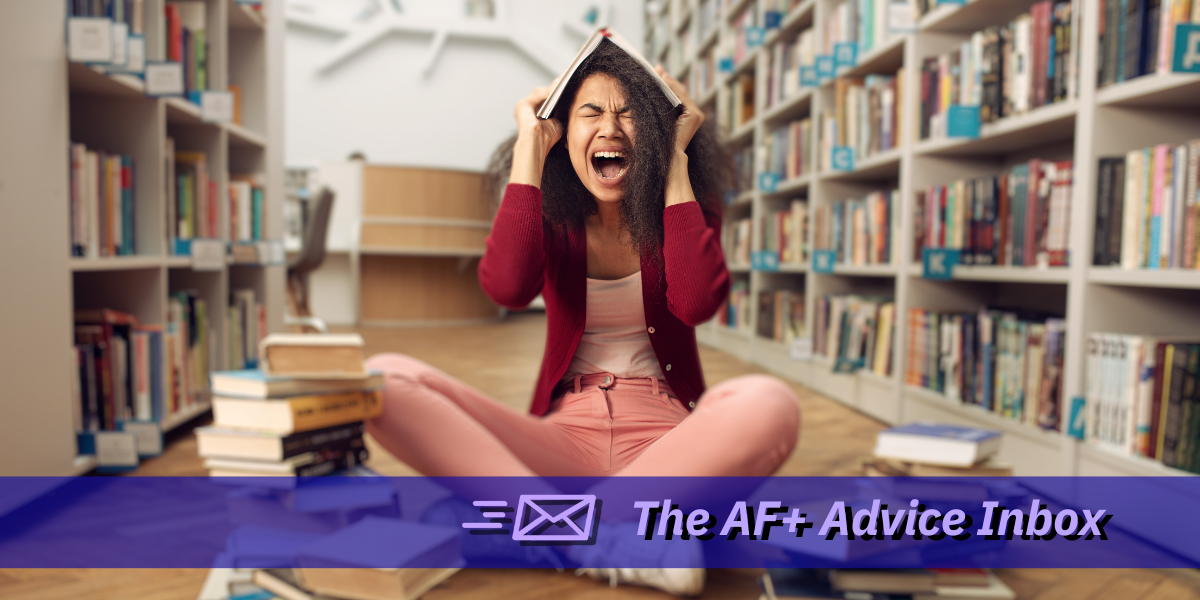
(527, 162)
(679, 186)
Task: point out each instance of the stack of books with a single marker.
(884, 584)
(301, 415)
(930, 450)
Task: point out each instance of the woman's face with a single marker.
(600, 136)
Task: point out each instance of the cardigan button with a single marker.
(692, 404)
(668, 367)
(650, 329)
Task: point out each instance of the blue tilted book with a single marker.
(936, 444)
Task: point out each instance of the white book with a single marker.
(1130, 221)
(601, 34)
(936, 444)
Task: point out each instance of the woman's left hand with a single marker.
(690, 119)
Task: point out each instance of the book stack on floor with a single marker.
(1146, 208)
(884, 584)
(855, 332)
(930, 450)
(1020, 218)
(1006, 362)
(301, 415)
(1141, 397)
(1004, 70)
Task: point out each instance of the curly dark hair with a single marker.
(566, 203)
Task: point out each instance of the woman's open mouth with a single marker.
(610, 165)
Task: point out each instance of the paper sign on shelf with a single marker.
(120, 43)
(938, 263)
(767, 182)
(772, 19)
(755, 36)
(115, 449)
(273, 252)
(216, 106)
(801, 349)
(962, 121)
(89, 40)
(135, 56)
(164, 79)
(208, 255)
(845, 54)
(842, 158)
(1186, 55)
(148, 436)
(901, 17)
(725, 64)
(823, 261)
(825, 68)
(764, 260)
(808, 76)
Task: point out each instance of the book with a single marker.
(601, 35)
(886, 581)
(253, 383)
(314, 356)
(309, 464)
(297, 413)
(995, 589)
(268, 446)
(929, 443)
(283, 583)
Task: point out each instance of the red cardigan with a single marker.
(525, 256)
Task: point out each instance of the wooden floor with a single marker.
(503, 359)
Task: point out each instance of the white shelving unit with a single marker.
(58, 103)
(1097, 123)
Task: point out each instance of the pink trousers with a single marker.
(601, 425)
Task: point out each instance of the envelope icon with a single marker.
(555, 518)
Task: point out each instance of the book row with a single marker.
(865, 118)
(855, 332)
(102, 203)
(735, 314)
(1141, 397)
(1137, 36)
(193, 200)
(789, 150)
(1006, 362)
(1004, 70)
(865, 23)
(1019, 218)
(1146, 208)
(858, 230)
(786, 58)
(743, 172)
(785, 233)
(737, 242)
(781, 315)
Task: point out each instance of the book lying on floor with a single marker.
(297, 413)
(253, 383)
(928, 443)
(874, 466)
(253, 444)
(547, 108)
(309, 464)
(906, 581)
(313, 356)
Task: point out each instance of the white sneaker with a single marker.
(681, 582)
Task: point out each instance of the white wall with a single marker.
(379, 102)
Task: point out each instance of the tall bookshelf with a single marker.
(60, 102)
(1151, 109)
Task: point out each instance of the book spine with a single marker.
(1176, 358)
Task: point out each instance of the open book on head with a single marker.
(593, 42)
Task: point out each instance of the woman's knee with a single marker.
(398, 366)
(768, 398)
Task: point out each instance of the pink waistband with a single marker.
(611, 382)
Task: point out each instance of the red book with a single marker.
(1002, 220)
(1033, 213)
(1160, 352)
(174, 33)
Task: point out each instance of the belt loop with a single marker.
(577, 378)
(654, 384)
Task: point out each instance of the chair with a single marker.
(312, 254)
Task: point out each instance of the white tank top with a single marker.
(615, 339)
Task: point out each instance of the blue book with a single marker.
(937, 444)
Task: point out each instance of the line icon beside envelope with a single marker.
(555, 518)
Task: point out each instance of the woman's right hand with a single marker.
(535, 138)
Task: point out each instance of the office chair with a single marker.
(312, 254)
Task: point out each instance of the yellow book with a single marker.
(298, 413)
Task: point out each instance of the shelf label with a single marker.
(847, 365)
(725, 64)
(147, 435)
(962, 121)
(767, 182)
(216, 107)
(1186, 55)
(135, 55)
(808, 76)
(208, 255)
(120, 43)
(845, 54)
(755, 36)
(764, 260)
(164, 79)
(938, 263)
(842, 158)
(952, 2)
(115, 449)
(825, 68)
(801, 349)
(773, 19)
(823, 261)
(89, 40)
(900, 16)
(273, 252)
(1078, 423)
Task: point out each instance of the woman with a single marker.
(610, 213)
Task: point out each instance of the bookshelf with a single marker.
(1092, 123)
(60, 103)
